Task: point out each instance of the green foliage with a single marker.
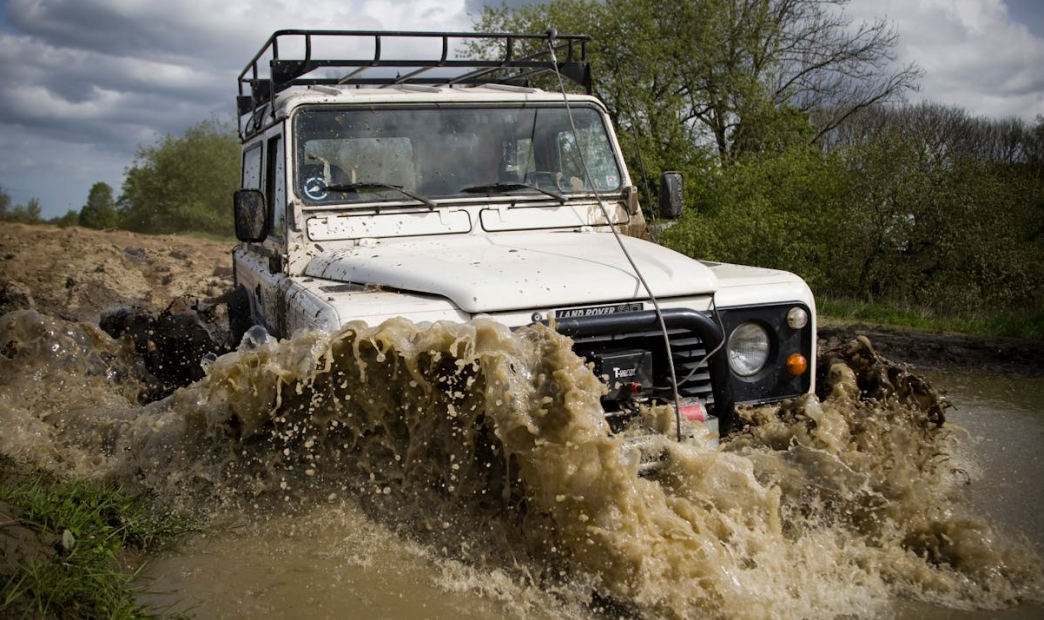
(71, 218)
(916, 213)
(938, 217)
(28, 213)
(68, 566)
(100, 210)
(778, 212)
(22, 214)
(184, 183)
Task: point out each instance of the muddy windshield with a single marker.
(390, 154)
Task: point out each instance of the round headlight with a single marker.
(748, 349)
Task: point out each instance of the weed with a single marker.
(63, 541)
(1028, 325)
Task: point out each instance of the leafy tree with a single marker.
(71, 218)
(184, 182)
(28, 213)
(100, 210)
(33, 211)
(945, 210)
(780, 211)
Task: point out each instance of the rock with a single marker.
(15, 296)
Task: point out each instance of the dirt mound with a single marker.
(79, 274)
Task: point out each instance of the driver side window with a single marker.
(275, 187)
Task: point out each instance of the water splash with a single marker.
(490, 446)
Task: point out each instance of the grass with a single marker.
(1027, 325)
(65, 544)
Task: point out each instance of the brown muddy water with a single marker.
(465, 471)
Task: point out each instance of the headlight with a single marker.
(748, 349)
(797, 318)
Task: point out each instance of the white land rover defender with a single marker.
(438, 188)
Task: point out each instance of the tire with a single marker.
(240, 318)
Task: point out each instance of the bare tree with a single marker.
(740, 74)
(752, 61)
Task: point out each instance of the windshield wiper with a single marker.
(503, 188)
(370, 186)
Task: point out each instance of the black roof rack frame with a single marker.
(257, 89)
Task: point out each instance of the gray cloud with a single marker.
(85, 83)
(974, 55)
(474, 7)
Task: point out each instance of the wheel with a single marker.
(239, 315)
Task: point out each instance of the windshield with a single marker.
(366, 154)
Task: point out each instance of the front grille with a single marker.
(690, 333)
(687, 350)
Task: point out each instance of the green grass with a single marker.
(1028, 325)
(65, 543)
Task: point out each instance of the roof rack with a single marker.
(257, 89)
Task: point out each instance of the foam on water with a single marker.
(489, 447)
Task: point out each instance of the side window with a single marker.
(252, 168)
(275, 186)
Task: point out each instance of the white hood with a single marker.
(527, 270)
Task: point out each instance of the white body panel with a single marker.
(496, 273)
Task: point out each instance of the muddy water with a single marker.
(1001, 420)
(466, 471)
(1003, 416)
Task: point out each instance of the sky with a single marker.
(84, 84)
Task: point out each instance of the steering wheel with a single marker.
(315, 188)
(544, 178)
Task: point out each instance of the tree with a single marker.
(780, 211)
(28, 213)
(945, 210)
(71, 218)
(33, 211)
(183, 182)
(734, 73)
(5, 204)
(100, 210)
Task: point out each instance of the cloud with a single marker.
(974, 54)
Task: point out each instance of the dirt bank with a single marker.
(939, 351)
(79, 274)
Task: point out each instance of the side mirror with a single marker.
(671, 203)
(251, 215)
